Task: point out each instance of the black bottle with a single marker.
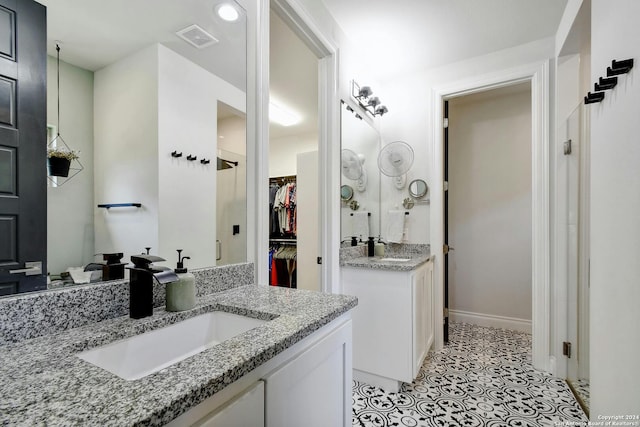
(371, 247)
(354, 241)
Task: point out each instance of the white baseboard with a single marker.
(388, 384)
(491, 320)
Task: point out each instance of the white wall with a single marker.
(126, 153)
(232, 135)
(615, 209)
(410, 117)
(490, 205)
(231, 196)
(283, 152)
(187, 119)
(148, 105)
(70, 239)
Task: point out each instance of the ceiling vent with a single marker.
(196, 36)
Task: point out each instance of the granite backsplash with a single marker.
(31, 315)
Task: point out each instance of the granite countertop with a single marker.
(43, 382)
(377, 263)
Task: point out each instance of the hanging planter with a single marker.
(61, 158)
(59, 162)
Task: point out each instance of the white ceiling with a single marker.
(400, 36)
(293, 79)
(95, 33)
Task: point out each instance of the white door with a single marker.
(308, 212)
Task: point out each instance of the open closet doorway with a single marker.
(294, 185)
(488, 208)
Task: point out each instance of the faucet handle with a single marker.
(143, 261)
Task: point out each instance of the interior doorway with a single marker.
(294, 231)
(488, 208)
(231, 186)
(538, 75)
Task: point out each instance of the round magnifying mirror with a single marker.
(346, 193)
(418, 188)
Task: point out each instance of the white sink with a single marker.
(396, 259)
(138, 356)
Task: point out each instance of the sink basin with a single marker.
(138, 356)
(395, 259)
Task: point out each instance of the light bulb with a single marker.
(228, 12)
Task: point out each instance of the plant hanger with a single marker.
(58, 148)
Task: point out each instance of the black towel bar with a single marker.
(120, 205)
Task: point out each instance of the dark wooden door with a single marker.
(23, 130)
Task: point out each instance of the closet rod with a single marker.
(289, 241)
(286, 178)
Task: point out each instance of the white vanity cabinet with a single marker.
(308, 384)
(392, 324)
(314, 388)
(245, 410)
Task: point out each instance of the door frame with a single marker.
(296, 17)
(538, 75)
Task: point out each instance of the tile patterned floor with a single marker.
(483, 377)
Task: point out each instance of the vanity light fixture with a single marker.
(227, 12)
(364, 97)
(282, 116)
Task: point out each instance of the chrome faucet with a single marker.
(141, 283)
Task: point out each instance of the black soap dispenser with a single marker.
(371, 247)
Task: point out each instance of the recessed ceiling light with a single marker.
(227, 12)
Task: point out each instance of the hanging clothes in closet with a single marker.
(282, 264)
(282, 207)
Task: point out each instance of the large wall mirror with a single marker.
(153, 97)
(360, 177)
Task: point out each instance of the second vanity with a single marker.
(393, 324)
(295, 366)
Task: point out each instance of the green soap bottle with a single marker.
(181, 294)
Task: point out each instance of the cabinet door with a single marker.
(420, 314)
(247, 410)
(382, 321)
(313, 389)
(428, 304)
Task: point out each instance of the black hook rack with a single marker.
(592, 98)
(617, 68)
(192, 158)
(176, 154)
(205, 161)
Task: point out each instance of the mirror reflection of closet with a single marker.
(295, 205)
(358, 136)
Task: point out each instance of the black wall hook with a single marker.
(205, 161)
(176, 154)
(605, 84)
(620, 67)
(592, 98)
(192, 158)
